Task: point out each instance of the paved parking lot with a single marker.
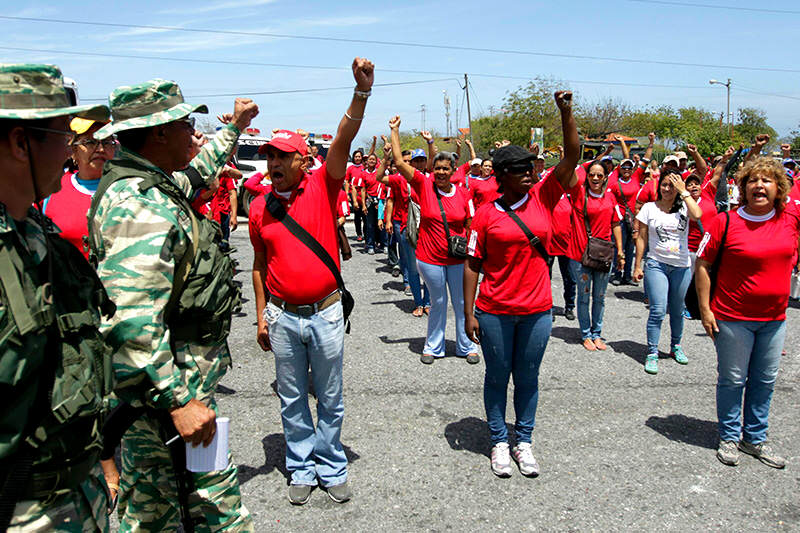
(618, 449)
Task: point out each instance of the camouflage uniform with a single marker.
(140, 238)
(32, 345)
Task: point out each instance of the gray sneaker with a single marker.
(299, 494)
(727, 452)
(340, 493)
(763, 452)
(523, 455)
(426, 358)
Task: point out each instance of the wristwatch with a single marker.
(685, 194)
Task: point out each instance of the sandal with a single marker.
(417, 312)
(427, 310)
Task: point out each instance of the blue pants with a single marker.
(569, 281)
(408, 266)
(371, 233)
(298, 342)
(225, 226)
(439, 278)
(512, 346)
(666, 287)
(748, 356)
(629, 247)
(594, 283)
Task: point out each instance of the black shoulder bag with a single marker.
(532, 239)
(599, 253)
(279, 213)
(456, 244)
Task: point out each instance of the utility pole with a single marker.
(447, 112)
(469, 113)
(422, 113)
(728, 86)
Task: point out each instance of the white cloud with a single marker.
(36, 12)
(208, 8)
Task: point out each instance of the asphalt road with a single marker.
(618, 449)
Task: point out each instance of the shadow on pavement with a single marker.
(471, 434)
(406, 305)
(686, 429)
(275, 459)
(416, 344)
(571, 335)
(394, 286)
(634, 295)
(635, 350)
(222, 389)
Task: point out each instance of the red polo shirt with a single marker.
(483, 190)
(294, 273)
(709, 208)
(399, 190)
(604, 213)
(369, 182)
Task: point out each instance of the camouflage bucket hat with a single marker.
(151, 103)
(31, 92)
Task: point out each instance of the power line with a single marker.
(712, 6)
(394, 43)
(755, 91)
(293, 91)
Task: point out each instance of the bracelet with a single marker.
(362, 94)
(685, 194)
(353, 118)
(431, 141)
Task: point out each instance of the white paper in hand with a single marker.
(211, 458)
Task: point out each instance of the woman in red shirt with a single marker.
(753, 250)
(596, 208)
(437, 267)
(513, 319)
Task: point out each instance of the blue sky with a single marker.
(624, 29)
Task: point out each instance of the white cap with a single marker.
(672, 158)
(476, 161)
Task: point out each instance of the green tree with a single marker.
(597, 120)
(752, 122)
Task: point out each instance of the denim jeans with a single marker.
(569, 281)
(629, 247)
(298, 342)
(748, 356)
(371, 226)
(408, 266)
(225, 226)
(594, 283)
(666, 286)
(439, 278)
(512, 346)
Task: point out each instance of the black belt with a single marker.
(307, 310)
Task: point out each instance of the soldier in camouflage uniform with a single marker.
(140, 235)
(54, 366)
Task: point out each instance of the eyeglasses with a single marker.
(94, 144)
(190, 121)
(69, 134)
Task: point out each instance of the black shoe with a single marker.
(630, 282)
(616, 282)
(569, 314)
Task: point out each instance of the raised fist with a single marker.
(363, 73)
(394, 122)
(563, 100)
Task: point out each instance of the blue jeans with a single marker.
(408, 266)
(225, 226)
(595, 283)
(371, 225)
(748, 356)
(298, 342)
(666, 287)
(629, 247)
(439, 278)
(569, 281)
(512, 345)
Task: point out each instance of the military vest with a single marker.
(55, 368)
(204, 295)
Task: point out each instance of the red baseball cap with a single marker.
(286, 141)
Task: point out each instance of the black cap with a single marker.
(509, 155)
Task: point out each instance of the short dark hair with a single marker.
(406, 152)
(134, 139)
(676, 205)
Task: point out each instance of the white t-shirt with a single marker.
(667, 234)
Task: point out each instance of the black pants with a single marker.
(358, 218)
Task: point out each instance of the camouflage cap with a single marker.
(31, 92)
(151, 103)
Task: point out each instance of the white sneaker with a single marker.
(525, 459)
(501, 460)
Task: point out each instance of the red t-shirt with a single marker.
(603, 213)
(254, 186)
(294, 273)
(755, 270)
(432, 241)
(794, 193)
(342, 205)
(221, 201)
(399, 191)
(353, 177)
(459, 176)
(626, 191)
(709, 208)
(562, 226)
(369, 182)
(68, 207)
(516, 279)
(483, 191)
(648, 192)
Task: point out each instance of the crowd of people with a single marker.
(118, 291)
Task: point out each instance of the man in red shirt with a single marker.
(298, 303)
(225, 202)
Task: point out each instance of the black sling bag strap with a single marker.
(532, 239)
(279, 213)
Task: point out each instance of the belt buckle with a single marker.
(305, 311)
